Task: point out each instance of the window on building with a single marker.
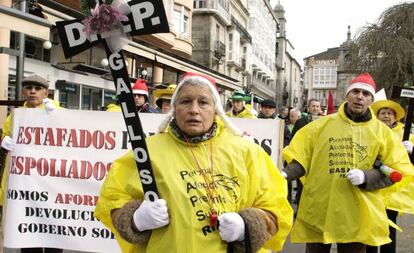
(200, 4)
(231, 46)
(181, 20)
(69, 94)
(109, 97)
(91, 98)
(325, 76)
(33, 47)
(170, 76)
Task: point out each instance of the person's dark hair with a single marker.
(312, 100)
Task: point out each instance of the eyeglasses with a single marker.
(30, 87)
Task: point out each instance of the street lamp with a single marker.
(144, 73)
(47, 45)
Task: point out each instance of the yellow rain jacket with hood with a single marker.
(332, 210)
(244, 175)
(245, 114)
(400, 197)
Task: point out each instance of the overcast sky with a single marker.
(313, 26)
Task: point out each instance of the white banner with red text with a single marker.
(59, 163)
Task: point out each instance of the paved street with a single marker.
(405, 240)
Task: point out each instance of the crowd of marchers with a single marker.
(343, 164)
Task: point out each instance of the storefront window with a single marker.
(91, 98)
(170, 76)
(68, 94)
(109, 97)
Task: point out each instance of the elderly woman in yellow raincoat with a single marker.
(203, 169)
(340, 201)
(399, 197)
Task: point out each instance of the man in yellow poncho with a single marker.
(35, 91)
(204, 171)
(340, 202)
(399, 197)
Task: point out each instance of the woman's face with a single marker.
(194, 109)
(387, 116)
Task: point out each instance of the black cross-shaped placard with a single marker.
(402, 92)
(146, 17)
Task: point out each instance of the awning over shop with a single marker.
(24, 22)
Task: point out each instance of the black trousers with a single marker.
(392, 246)
(41, 250)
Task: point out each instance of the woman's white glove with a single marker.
(408, 146)
(49, 106)
(151, 215)
(231, 227)
(8, 143)
(356, 176)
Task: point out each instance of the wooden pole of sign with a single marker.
(146, 17)
(401, 92)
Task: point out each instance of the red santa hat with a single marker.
(140, 87)
(364, 82)
(199, 79)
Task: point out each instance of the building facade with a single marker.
(289, 83)
(83, 81)
(263, 27)
(329, 71)
(220, 38)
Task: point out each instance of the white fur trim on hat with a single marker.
(142, 92)
(362, 86)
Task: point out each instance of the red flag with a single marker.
(330, 103)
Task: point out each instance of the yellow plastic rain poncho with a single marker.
(245, 114)
(113, 108)
(332, 210)
(244, 174)
(6, 131)
(400, 197)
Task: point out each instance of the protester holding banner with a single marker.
(239, 109)
(35, 91)
(206, 172)
(164, 98)
(140, 91)
(399, 197)
(336, 154)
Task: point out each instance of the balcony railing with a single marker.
(221, 6)
(243, 63)
(219, 49)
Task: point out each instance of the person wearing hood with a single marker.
(164, 98)
(335, 155)
(219, 192)
(239, 109)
